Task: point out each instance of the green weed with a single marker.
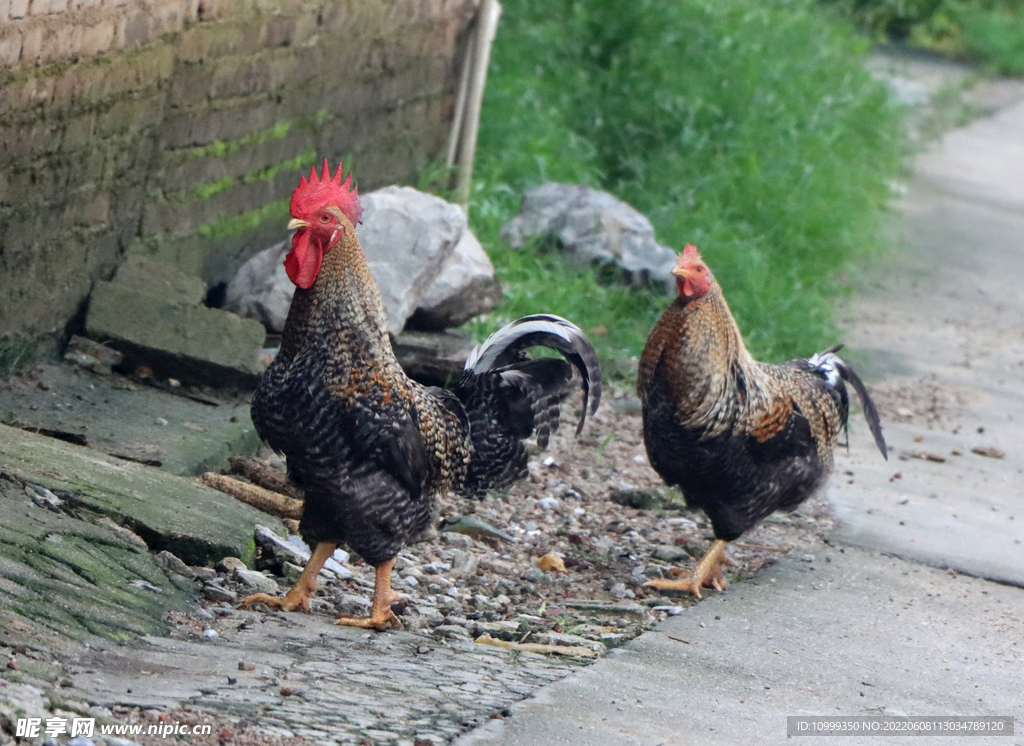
(746, 127)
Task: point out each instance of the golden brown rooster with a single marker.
(741, 438)
(370, 447)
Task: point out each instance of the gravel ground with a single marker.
(592, 502)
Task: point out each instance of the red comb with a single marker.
(690, 255)
(313, 193)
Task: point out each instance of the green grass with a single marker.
(989, 32)
(746, 127)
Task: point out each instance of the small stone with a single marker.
(172, 564)
(431, 617)
(670, 610)
(210, 634)
(667, 553)
(351, 605)
(246, 666)
(161, 421)
(230, 564)
(452, 632)
(807, 558)
(533, 574)
(256, 580)
(291, 572)
(13, 664)
(637, 498)
(618, 590)
(216, 593)
(411, 581)
(549, 503)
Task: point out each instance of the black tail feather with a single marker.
(870, 411)
(505, 350)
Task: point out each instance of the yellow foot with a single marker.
(294, 599)
(383, 597)
(707, 574)
(298, 597)
(377, 622)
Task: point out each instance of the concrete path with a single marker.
(864, 628)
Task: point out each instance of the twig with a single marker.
(265, 476)
(763, 547)
(575, 651)
(269, 502)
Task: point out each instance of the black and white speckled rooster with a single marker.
(370, 447)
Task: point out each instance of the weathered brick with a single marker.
(97, 38)
(32, 43)
(278, 31)
(183, 173)
(10, 46)
(240, 78)
(19, 8)
(78, 132)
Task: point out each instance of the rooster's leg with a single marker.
(708, 573)
(302, 591)
(383, 596)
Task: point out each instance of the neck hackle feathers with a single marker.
(313, 193)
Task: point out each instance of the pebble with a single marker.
(230, 564)
(549, 503)
(452, 632)
(352, 605)
(257, 580)
(668, 553)
(210, 634)
(216, 593)
(411, 581)
(807, 558)
(670, 610)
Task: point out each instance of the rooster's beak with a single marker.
(677, 271)
(296, 223)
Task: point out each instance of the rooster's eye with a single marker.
(325, 218)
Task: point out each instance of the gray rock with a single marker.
(465, 288)
(639, 499)
(351, 605)
(150, 313)
(257, 580)
(216, 593)
(424, 259)
(261, 290)
(452, 632)
(172, 564)
(594, 226)
(230, 565)
(407, 237)
(667, 553)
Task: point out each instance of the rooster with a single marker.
(741, 438)
(371, 448)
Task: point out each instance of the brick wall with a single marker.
(178, 128)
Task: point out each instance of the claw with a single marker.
(707, 574)
(383, 596)
(298, 597)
